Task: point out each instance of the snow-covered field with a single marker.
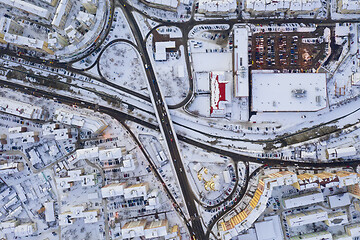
(120, 63)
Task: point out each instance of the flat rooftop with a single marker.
(288, 92)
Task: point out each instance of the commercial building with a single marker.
(73, 35)
(334, 153)
(113, 190)
(241, 62)
(348, 6)
(314, 236)
(78, 212)
(220, 94)
(28, 7)
(303, 199)
(86, 122)
(308, 217)
(337, 218)
(268, 7)
(20, 109)
(288, 92)
(217, 7)
(161, 48)
(339, 200)
(75, 176)
(61, 14)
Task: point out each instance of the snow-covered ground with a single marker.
(121, 64)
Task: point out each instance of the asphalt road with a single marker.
(196, 229)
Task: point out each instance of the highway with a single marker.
(196, 229)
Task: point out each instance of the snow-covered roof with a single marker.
(49, 211)
(307, 217)
(341, 152)
(160, 49)
(133, 229)
(24, 230)
(281, 5)
(241, 62)
(113, 190)
(156, 229)
(86, 18)
(107, 154)
(89, 123)
(75, 176)
(20, 109)
(89, 216)
(87, 153)
(217, 6)
(136, 190)
(27, 7)
(167, 3)
(288, 92)
(353, 230)
(339, 200)
(313, 236)
(305, 199)
(269, 229)
(61, 13)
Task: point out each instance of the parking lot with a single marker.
(286, 51)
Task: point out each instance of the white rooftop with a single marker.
(241, 59)
(288, 92)
(160, 49)
(339, 200)
(28, 7)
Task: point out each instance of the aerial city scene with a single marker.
(180, 119)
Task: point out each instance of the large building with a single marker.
(339, 200)
(217, 7)
(232, 225)
(150, 230)
(304, 199)
(78, 212)
(288, 92)
(220, 94)
(26, 42)
(349, 6)
(75, 176)
(28, 7)
(113, 190)
(8, 25)
(337, 219)
(90, 6)
(334, 153)
(61, 14)
(20, 109)
(241, 62)
(313, 236)
(353, 230)
(308, 217)
(268, 7)
(86, 122)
